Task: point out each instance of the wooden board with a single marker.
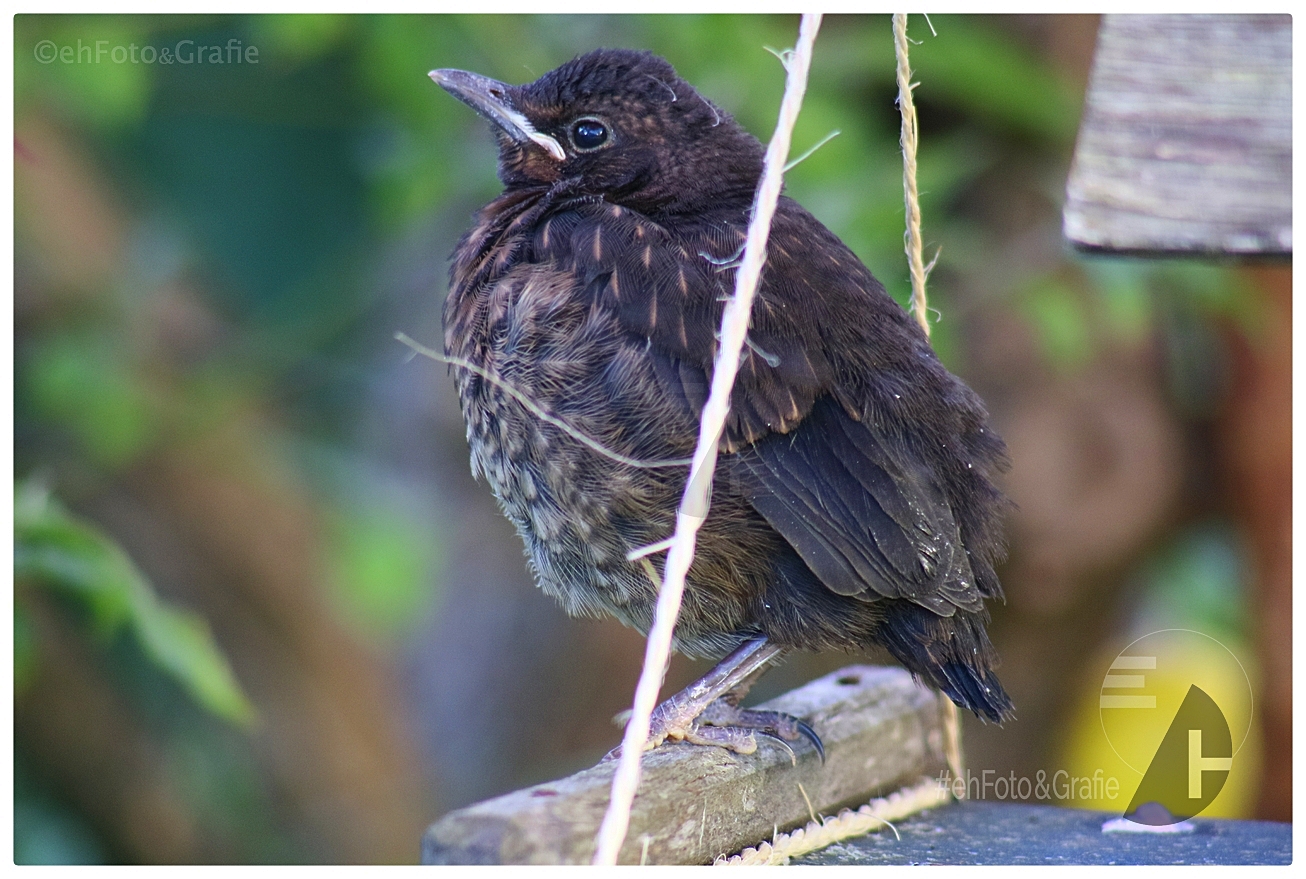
(1186, 139)
(881, 730)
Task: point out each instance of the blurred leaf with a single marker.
(91, 73)
(85, 385)
(50, 546)
(24, 650)
(1209, 291)
(380, 565)
(993, 77)
(1127, 302)
(280, 37)
(1061, 320)
(62, 553)
(181, 643)
(1197, 580)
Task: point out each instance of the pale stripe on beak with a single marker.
(489, 97)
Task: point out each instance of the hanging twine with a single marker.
(910, 195)
(919, 271)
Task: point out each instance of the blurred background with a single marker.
(262, 613)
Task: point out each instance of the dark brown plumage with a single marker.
(854, 504)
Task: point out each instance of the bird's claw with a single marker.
(727, 726)
(811, 736)
(774, 724)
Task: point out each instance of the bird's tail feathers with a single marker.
(951, 653)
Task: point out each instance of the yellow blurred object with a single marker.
(1121, 718)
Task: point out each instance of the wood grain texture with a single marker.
(1186, 140)
(881, 731)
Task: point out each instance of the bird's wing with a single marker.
(811, 444)
(869, 519)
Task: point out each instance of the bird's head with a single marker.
(616, 123)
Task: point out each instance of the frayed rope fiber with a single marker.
(911, 197)
(818, 834)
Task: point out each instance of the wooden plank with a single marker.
(881, 730)
(1186, 139)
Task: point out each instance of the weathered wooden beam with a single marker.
(881, 730)
(1186, 140)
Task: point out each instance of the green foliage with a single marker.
(92, 88)
(972, 65)
(379, 563)
(1208, 290)
(85, 384)
(1196, 580)
(56, 551)
(1126, 301)
(1063, 327)
(46, 831)
(297, 38)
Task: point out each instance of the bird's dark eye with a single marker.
(588, 134)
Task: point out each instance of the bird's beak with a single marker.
(489, 97)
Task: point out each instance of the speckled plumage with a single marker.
(853, 504)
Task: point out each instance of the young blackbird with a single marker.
(853, 503)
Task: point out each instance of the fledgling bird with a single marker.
(854, 503)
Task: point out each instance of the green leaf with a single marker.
(24, 650)
(1122, 287)
(972, 65)
(180, 643)
(379, 571)
(55, 550)
(297, 37)
(95, 77)
(1197, 579)
(86, 385)
(1057, 313)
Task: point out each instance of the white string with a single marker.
(694, 505)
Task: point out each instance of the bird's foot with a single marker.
(725, 726)
(678, 720)
(722, 716)
(673, 725)
(707, 712)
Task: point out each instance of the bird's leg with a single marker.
(725, 714)
(677, 717)
(707, 712)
